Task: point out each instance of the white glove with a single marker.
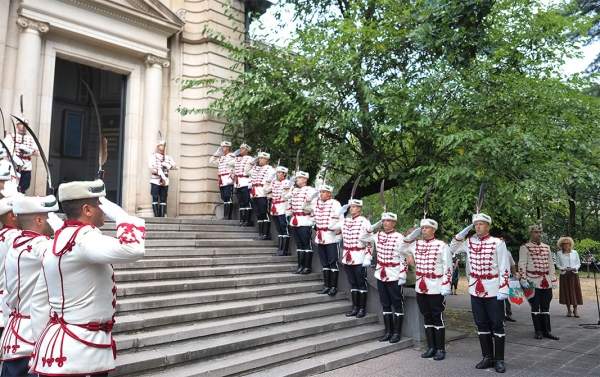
(501, 296)
(445, 291)
(343, 209)
(54, 221)
(375, 226)
(463, 233)
(26, 150)
(367, 261)
(307, 208)
(165, 164)
(401, 281)
(524, 283)
(413, 235)
(111, 210)
(366, 238)
(231, 163)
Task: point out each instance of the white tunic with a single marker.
(82, 294)
(353, 230)
(260, 179)
(225, 166)
(489, 264)
(243, 164)
(536, 265)
(7, 235)
(391, 265)
(160, 164)
(23, 265)
(24, 147)
(300, 197)
(433, 265)
(327, 219)
(279, 191)
(570, 260)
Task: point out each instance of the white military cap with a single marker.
(325, 187)
(226, 143)
(355, 202)
(281, 169)
(429, 222)
(536, 228)
(4, 171)
(10, 189)
(6, 204)
(302, 174)
(24, 205)
(81, 190)
(389, 216)
(264, 155)
(246, 147)
(482, 217)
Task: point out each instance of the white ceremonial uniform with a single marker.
(279, 192)
(82, 294)
(24, 147)
(23, 266)
(536, 265)
(7, 235)
(225, 166)
(433, 265)
(353, 230)
(260, 179)
(243, 164)
(489, 265)
(327, 218)
(391, 265)
(160, 164)
(300, 197)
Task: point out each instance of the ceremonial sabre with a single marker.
(480, 198)
(382, 195)
(355, 186)
(102, 141)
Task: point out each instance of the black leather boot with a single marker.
(300, 261)
(307, 269)
(487, 347)
(249, 217)
(499, 354)
(397, 332)
(226, 207)
(326, 277)
(260, 228)
(430, 336)
(546, 328)
(440, 344)
(280, 246)
(387, 322)
(535, 318)
(285, 245)
(354, 311)
(266, 234)
(229, 211)
(155, 209)
(242, 217)
(162, 210)
(333, 283)
(362, 304)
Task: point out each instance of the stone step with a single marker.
(200, 261)
(209, 251)
(158, 227)
(137, 321)
(324, 362)
(128, 304)
(165, 334)
(185, 351)
(237, 242)
(190, 272)
(126, 289)
(189, 220)
(242, 361)
(179, 235)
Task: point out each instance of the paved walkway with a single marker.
(577, 353)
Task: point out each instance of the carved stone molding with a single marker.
(25, 23)
(151, 60)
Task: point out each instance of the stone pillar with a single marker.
(151, 124)
(28, 67)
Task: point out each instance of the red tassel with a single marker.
(383, 275)
(319, 237)
(479, 288)
(423, 286)
(544, 283)
(348, 258)
(273, 209)
(294, 221)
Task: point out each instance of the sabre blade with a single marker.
(355, 186)
(480, 197)
(382, 195)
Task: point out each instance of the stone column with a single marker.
(27, 77)
(151, 124)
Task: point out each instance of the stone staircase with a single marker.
(208, 300)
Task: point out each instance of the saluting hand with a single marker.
(111, 210)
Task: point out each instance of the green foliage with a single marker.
(444, 94)
(587, 245)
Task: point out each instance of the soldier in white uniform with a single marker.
(81, 290)
(7, 234)
(328, 219)
(261, 176)
(536, 267)
(390, 273)
(23, 266)
(433, 270)
(160, 164)
(489, 271)
(280, 189)
(356, 255)
(225, 161)
(24, 148)
(243, 164)
(301, 221)
(9, 178)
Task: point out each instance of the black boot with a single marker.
(440, 344)
(226, 207)
(326, 277)
(162, 210)
(249, 217)
(266, 234)
(362, 304)
(387, 322)
(546, 328)
(261, 225)
(487, 347)
(333, 283)
(280, 246)
(155, 209)
(536, 325)
(229, 211)
(499, 354)
(285, 245)
(307, 263)
(430, 336)
(300, 261)
(354, 311)
(242, 217)
(397, 333)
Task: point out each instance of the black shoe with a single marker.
(362, 305)
(306, 269)
(354, 311)
(387, 322)
(550, 336)
(440, 343)
(300, 261)
(509, 319)
(538, 335)
(430, 337)
(485, 363)
(546, 328)
(429, 353)
(499, 366)
(397, 333)
(326, 277)
(332, 291)
(439, 355)
(266, 233)
(333, 282)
